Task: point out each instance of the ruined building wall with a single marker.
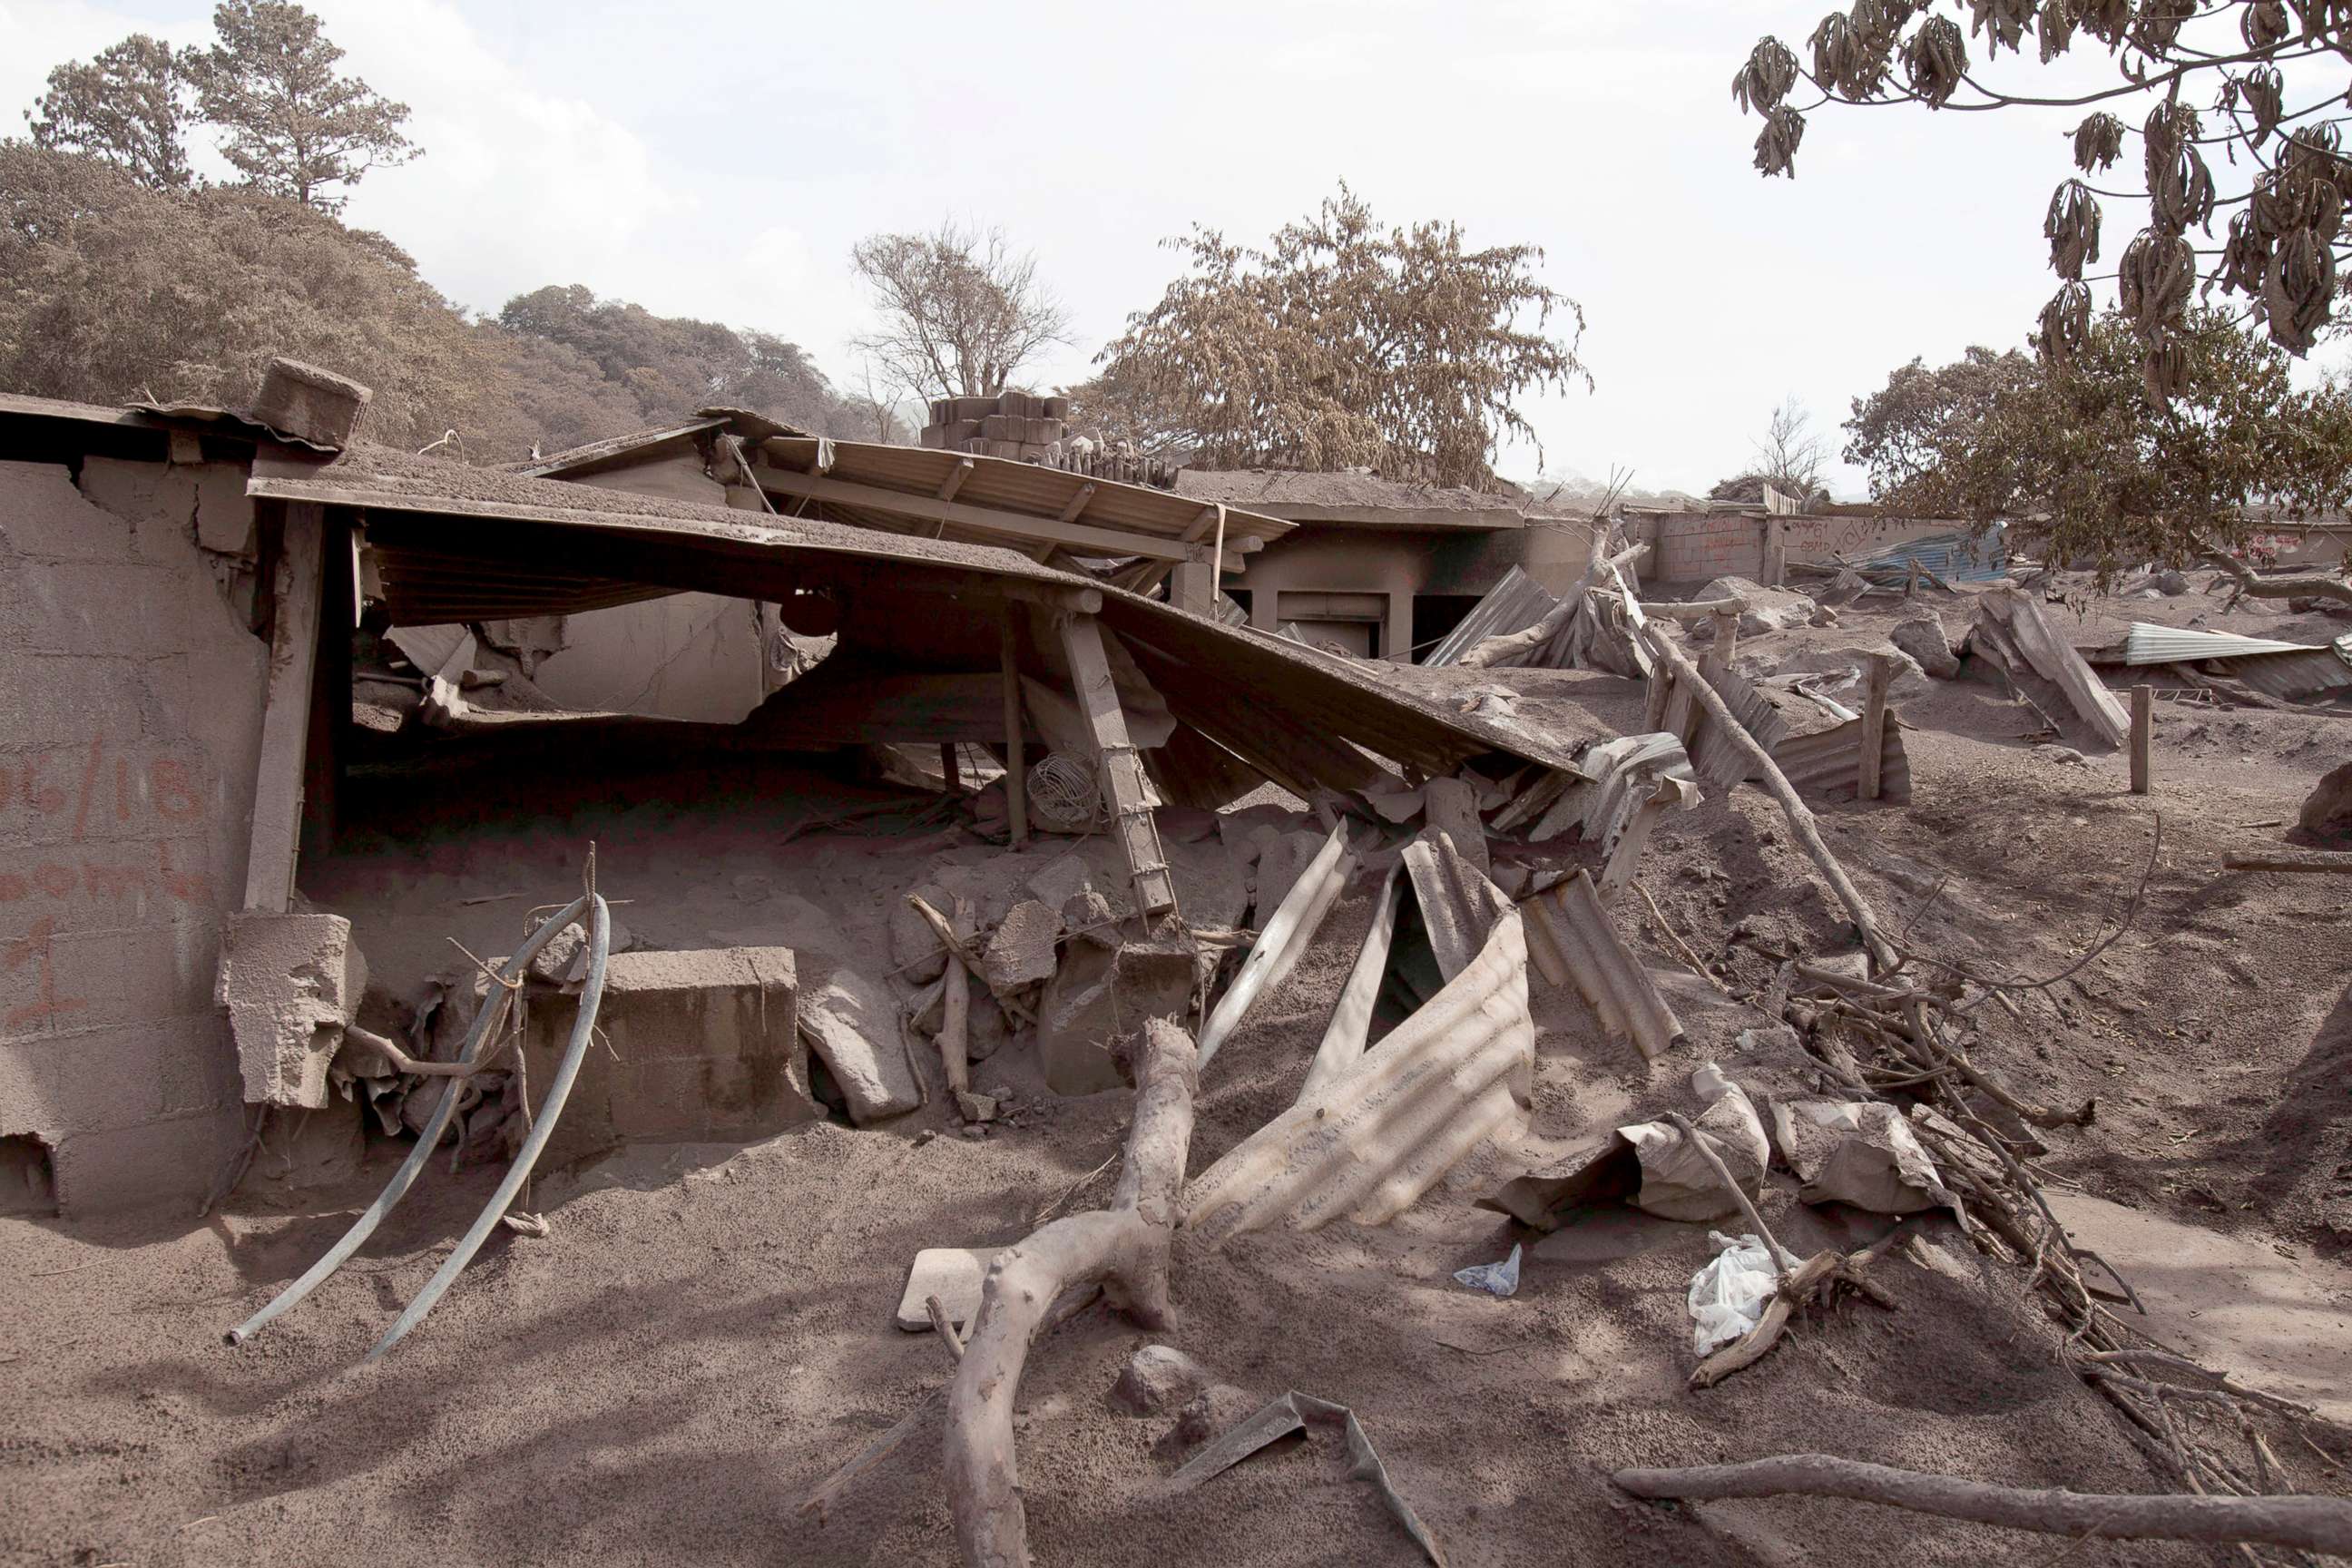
(130, 718)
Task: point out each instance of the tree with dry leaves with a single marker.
(292, 126)
(128, 104)
(960, 311)
(1341, 343)
(1789, 456)
(2075, 457)
(2259, 86)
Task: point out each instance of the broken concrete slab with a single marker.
(953, 1274)
(1019, 951)
(320, 407)
(705, 1044)
(854, 1025)
(289, 982)
(1097, 1004)
(1923, 638)
(1060, 880)
(1766, 609)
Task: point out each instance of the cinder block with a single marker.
(703, 1044)
(198, 1059)
(172, 1161)
(319, 405)
(136, 975)
(958, 431)
(118, 607)
(82, 1082)
(52, 700)
(1003, 427)
(975, 407)
(290, 983)
(1042, 432)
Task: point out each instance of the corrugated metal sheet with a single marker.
(1718, 760)
(1827, 763)
(1455, 1074)
(1573, 943)
(2147, 643)
(2292, 676)
(1822, 765)
(1515, 604)
(2290, 672)
(1624, 776)
(1954, 557)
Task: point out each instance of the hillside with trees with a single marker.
(124, 275)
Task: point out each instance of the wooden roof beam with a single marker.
(979, 519)
(955, 479)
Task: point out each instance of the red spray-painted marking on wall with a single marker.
(33, 948)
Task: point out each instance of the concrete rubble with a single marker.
(289, 982)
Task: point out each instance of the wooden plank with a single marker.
(1776, 552)
(1147, 576)
(1874, 725)
(286, 718)
(951, 769)
(1017, 761)
(979, 519)
(2143, 735)
(1078, 503)
(1115, 756)
(955, 479)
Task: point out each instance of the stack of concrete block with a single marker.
(1017, 425)
(700, 1044)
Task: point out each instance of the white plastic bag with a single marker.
(1727, 1296)
(1494, 1278)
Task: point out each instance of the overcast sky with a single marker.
(719, 160)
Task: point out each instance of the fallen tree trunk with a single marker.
(2252, 586)
(2300, 1523)
(1768, 774)
(1123, 1248)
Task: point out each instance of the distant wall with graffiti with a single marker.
(1699, 546)
(130, 718)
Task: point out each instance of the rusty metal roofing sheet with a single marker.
(1623, 775)
(1515, 604)
(1573, 943)
(1452, 1075)
(1827, 763)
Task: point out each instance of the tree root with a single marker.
(1123, 1248)
(2301, 1523)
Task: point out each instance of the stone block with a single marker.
(1019, 951)
(1924, 638)
(319, 405)
(953, 1274)
(290, 983)
(702, 1043)
(854, 1024)
(1095, 1004)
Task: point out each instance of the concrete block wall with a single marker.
(1698, 547)
(130, 721)
(698, 1046)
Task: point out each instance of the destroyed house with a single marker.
(1379, 568)
(277, 751)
